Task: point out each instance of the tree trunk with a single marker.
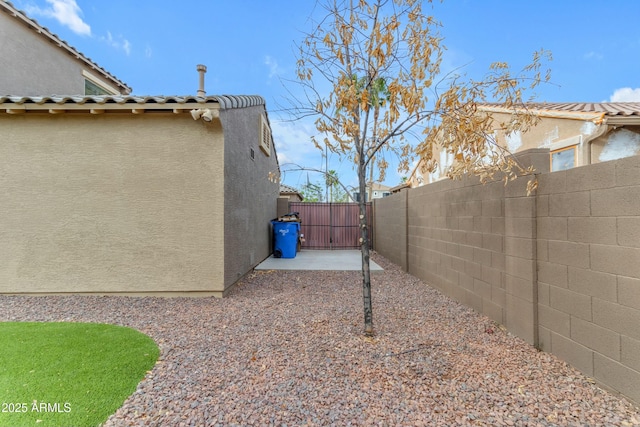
(364, 248)
(371, 163)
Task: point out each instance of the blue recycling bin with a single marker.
(285, 238)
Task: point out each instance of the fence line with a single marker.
(331, 225)
(560, 269)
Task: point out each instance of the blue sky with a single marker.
(248, 47)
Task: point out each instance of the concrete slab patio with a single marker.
(337, 260)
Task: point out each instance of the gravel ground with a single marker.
(286, 348)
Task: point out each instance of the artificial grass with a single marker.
(69, 374)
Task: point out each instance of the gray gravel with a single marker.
(286, 348)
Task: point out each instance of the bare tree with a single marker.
(361, 43)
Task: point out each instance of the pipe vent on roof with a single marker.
(202, 69)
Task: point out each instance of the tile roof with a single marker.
(225, 101)
(9, 9)
(608, 108)
(613, 113)
(288, 189)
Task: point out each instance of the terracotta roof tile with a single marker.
(288, 189)
(609, 108)
(225, 101)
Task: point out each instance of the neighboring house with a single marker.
(36, 62)
(402, 186)
(134, 195)
(287, 194)
(290, 193)
(575, 133)
(378, 190)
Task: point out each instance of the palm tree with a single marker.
(331, 180)
(378, 97)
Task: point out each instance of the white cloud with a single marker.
(293, 142)
(66, 12)
(118, 43)
(69, 14)
(295, 149)
(274, 68)
(593, 55)
(626, 94)
(127, 47)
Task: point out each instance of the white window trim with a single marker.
(574, 141)
(567, 142)
(95, 80)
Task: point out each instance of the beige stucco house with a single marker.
(290, 193)
(102, 192)
(576, 134)
(37, 62)
(134, 195)
(378, 190)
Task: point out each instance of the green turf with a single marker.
(69, 374)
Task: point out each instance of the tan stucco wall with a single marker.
(596, 143)
(549, 131)
(554, 134)
(110, 203)
(250, 197)
(34, 66)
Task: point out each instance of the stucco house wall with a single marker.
(131, 198)
(250, 196)
(43, 64)
(599, 132)
(576, 134)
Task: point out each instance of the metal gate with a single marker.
(331, 225)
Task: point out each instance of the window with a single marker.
(265, 136)
(565, 153)
(564, 158)
(90, 88)
(94, 86)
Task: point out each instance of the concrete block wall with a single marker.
(393, 236)
(588, 225)
(456, 240)
(560, 269)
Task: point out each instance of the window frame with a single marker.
(560, 150)
(105, 87)
(574, 142)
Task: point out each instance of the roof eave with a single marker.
(623, 121)
(137, 104)
(573, 115)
